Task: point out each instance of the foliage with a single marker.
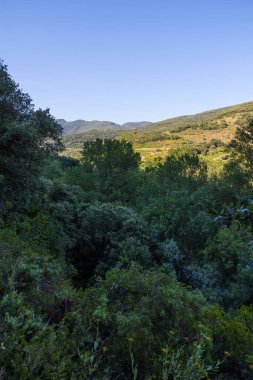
(224, 270)
(108, 155)
(183, 166)
(179, 366)
(139, 306)
(108, 171)
(233, 339)
(108, 271)
(242, 144)
(27, 137)
(107, 234)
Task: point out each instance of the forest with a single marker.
(109, 270)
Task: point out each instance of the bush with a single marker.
(139, 306)
(106, 235)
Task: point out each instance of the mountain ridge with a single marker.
(157, 139)
(212, 114)
(80, 126)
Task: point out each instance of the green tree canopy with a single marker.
(111, 167)
(14, 104)
(183, 166)
(26, 138)
(109, 155)
(242, 144)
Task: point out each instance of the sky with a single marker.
(129, 60)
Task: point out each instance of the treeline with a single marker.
(111, 272)
(77, 140)
(137, 137)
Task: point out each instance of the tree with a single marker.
(183, 167)
(14, 104)
(27, 137)
(106, 234)
(109, 155)
(111, 166)
(242, 144)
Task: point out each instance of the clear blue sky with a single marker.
(129, 60)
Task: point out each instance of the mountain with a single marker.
(80, 126)
(135, 124)
(201, 131)
(197, 120)
(207, 132)
(198, 128)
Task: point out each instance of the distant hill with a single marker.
(154, 140)
(219, 123)
(200, 131)
(80, 126)
(188, 121)
(135, 124)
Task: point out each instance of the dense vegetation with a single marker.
(77, 140)
(111, 272)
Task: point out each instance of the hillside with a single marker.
(155, 140)
(80, 126)
(135, 124)
(188, 121)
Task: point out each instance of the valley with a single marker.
(208, 132)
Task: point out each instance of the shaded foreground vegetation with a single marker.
(112, 272)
